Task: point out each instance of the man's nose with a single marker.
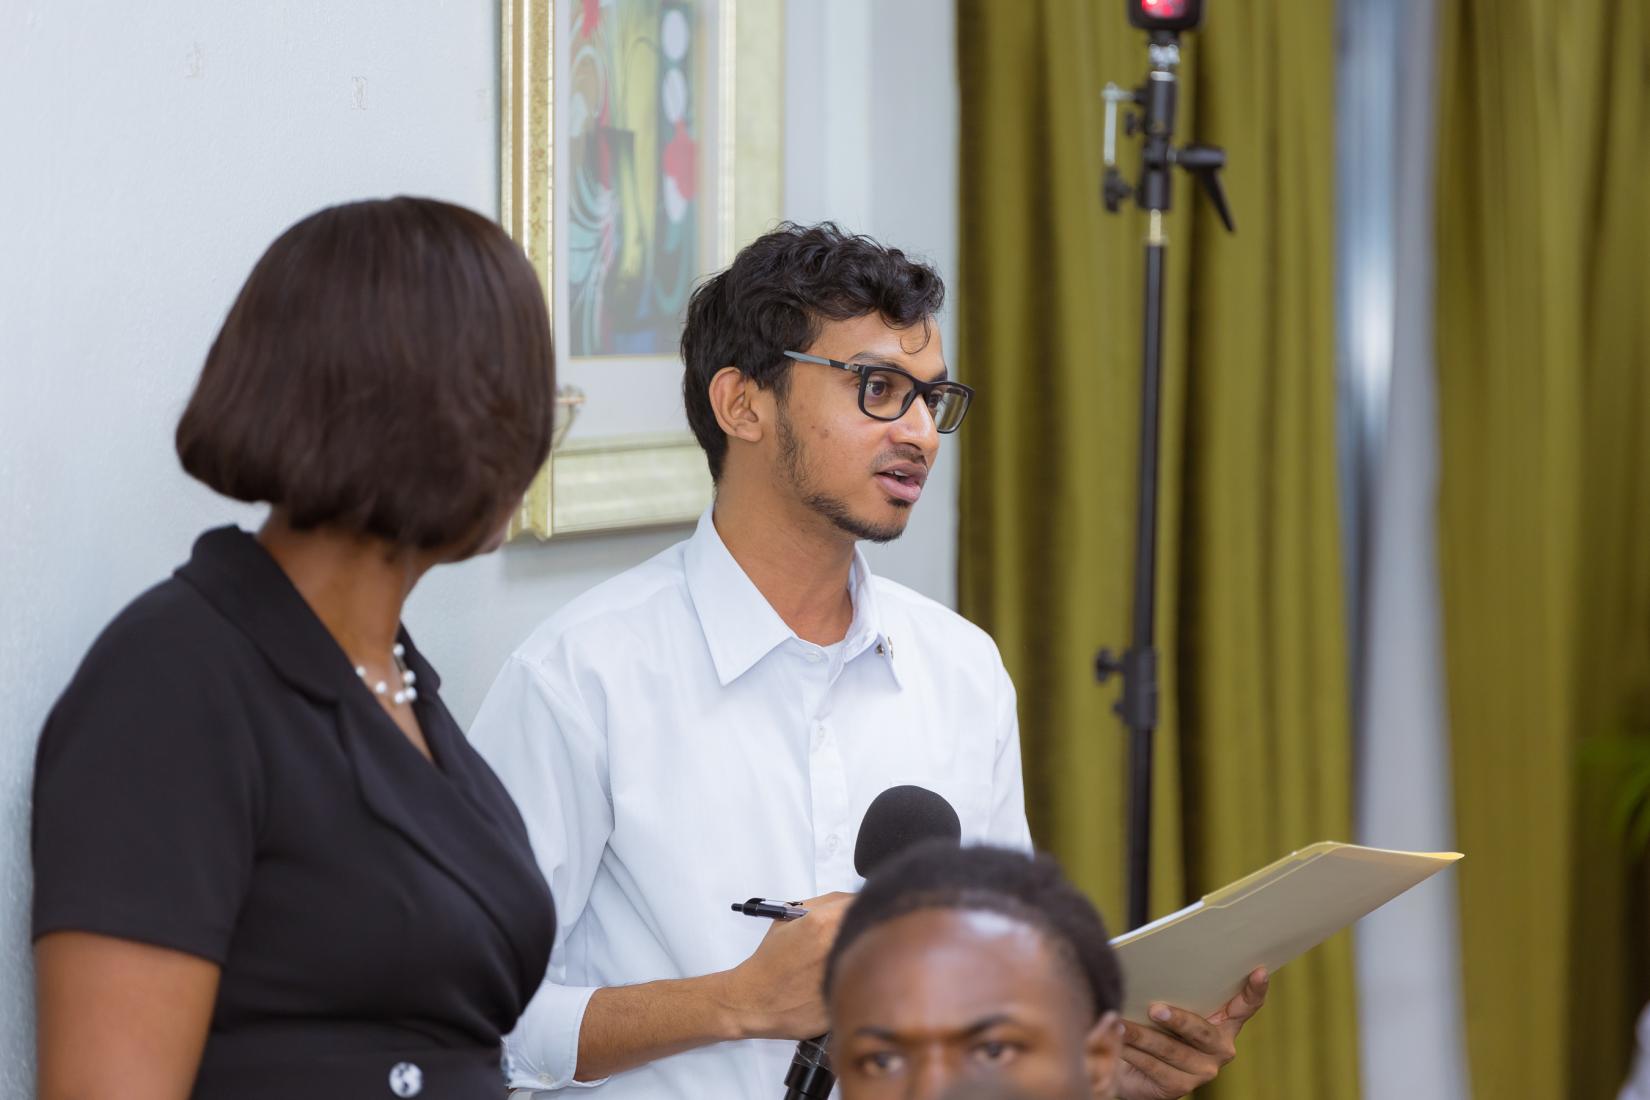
(916, 427)
(936, 1074)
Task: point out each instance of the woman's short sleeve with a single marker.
(146, 787)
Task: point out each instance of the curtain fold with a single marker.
(1543, 230)
(1254, 748)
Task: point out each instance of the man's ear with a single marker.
(1102, 1048)
(734, 398)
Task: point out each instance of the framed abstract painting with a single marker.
(641, 145)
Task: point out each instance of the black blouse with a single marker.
(216, 779)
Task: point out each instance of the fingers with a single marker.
(830, 912)
(1248, 1001)
(836, 900)
(1153, 1057)
(836, 897)
(1251, 996)
(1163, 1078)
(1190, 1051)
(1191, 1030)
(826, 910)
(1201, 1054)
(819, 924)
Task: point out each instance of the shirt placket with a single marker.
(828, 782)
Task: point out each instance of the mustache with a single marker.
(906, 453)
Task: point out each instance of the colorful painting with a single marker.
(634, 202)
(629, 167)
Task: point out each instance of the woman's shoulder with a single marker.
(171, 622)
(149, 783)
(166, 663)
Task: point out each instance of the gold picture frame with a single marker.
(651, 474)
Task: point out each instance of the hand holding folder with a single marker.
(1198, 958)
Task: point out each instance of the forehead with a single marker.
(945, 969)
(916, 344)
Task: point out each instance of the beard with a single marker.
(793, 459)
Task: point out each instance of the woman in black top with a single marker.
(267, 862)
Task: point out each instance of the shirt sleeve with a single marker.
(1008, 799)
(146, 797)
(552, 759)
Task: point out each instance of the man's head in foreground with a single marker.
(973, 964)
(816, 381)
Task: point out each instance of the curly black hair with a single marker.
(1029, 889)
(775, 296)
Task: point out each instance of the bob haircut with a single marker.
(387, 369)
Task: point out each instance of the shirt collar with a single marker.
(869, 629)
(741, 627)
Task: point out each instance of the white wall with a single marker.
(871, 114)
(153, 150)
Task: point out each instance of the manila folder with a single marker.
(1198, 958)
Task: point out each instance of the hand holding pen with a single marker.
(773, 910)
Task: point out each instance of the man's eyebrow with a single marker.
(873, 359)
(990, 1022)
(974, 1028)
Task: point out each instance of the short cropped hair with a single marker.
(1029, 889)
(386, 369)
(775, 297)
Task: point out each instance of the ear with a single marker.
(735, 400)
(1102, 1048)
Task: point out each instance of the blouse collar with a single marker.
(233, 571)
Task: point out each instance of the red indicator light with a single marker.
(1165, 15)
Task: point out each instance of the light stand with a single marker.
(1164, 20)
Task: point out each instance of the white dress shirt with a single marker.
(674, 747)
(1638, 1086)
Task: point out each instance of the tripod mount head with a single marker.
(1153, 116)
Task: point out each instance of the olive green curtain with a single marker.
(1254, 747)
(1543, 238)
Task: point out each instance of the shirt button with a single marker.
(406, 1079)
(831, 845)
(821, 735)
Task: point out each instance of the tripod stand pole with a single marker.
(1138, 706)
(1138, 665)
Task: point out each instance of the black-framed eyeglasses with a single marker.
(886, 393)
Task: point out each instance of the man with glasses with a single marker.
(712, 724)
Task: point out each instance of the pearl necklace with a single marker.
(405, 691)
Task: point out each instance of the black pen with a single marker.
(773, 910)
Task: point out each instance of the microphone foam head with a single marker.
(898, 818)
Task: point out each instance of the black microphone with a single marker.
(896, 819)
(899, 818)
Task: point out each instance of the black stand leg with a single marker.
(1138, 666)
(1142, 673)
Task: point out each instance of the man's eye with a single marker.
(876, 387)
(882, 1063)
(996, 1052)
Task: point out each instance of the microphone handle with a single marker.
(810, 1076)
